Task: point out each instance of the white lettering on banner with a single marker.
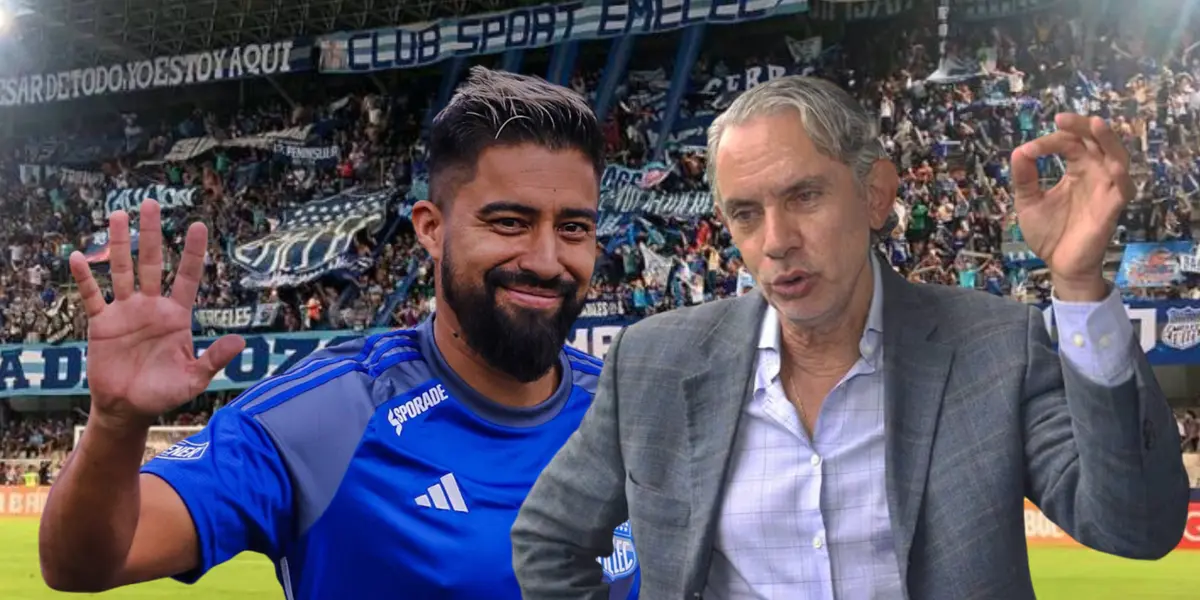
(225, 318)
(830, 10)
(130, 199)
(740, 82)
(602, 308)
(993, 9)
(399, 415)
(1037, 525)
(307, 154)
(423, 44)
(164, 71)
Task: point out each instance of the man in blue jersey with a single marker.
(390, 467)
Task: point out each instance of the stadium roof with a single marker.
(55, 35)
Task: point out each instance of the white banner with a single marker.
(130, 199)
(165, 71)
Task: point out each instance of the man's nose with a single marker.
(779, 235)
(541, 256)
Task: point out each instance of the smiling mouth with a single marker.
(532, 298)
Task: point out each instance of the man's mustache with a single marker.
(563, 286)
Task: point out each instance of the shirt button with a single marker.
(1105, 340)
(867, 349)
(1077, 339)
(815, 460)
(818, 543)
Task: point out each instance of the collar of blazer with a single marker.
(916, 369)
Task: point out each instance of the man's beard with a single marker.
(523, 343)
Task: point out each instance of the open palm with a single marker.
(1069, 226)
(140, 360)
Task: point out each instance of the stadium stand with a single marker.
(305, 185)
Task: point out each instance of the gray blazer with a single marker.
(981, 413)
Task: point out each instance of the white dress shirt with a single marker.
(809, 519)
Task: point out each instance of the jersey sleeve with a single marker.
(234, 483)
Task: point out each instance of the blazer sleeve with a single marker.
(567, 520)
(1102, 462)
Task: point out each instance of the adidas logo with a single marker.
(443, 495)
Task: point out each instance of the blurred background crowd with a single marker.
(275, 164)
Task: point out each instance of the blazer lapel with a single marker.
(915, 374)
(714, 397)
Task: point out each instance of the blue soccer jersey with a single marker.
(371, 470)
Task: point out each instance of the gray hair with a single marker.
(838, 125)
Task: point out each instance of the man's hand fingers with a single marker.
(150, 255)
(1063, 143)
(1116, 162)
(120, 257)
(214, 358)
(191, 266)
(89, 290)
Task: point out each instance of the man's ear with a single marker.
(882, 183)
(428, 222)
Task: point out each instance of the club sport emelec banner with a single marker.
(409, 46)
(251, 60)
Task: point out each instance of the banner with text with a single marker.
(862, 10)
(422, 44)
(625, 190)
(58, 370)
(978, 10)
(237, 318)
(251, 60)
(1041, 531)
(130, 199)
(312, 240)
(323, 157)
(42, 369)
(1168, 330)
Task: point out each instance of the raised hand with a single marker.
(1070, 225)
(140, 361)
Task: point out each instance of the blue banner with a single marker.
(1156, 264)
(130, 199)
(237, 318)
(313, 240)
(1168, 331)
(423, 44)
(60, 370)
(251, 60)
(1169, 334)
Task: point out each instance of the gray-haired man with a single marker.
(841, 433)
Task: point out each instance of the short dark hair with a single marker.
(495, 108)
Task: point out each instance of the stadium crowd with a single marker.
(949, 135)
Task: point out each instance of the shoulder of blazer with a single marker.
(690, 331)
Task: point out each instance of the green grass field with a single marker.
(1058, 573)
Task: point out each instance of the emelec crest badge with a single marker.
(623, 561)
(1182, 331)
